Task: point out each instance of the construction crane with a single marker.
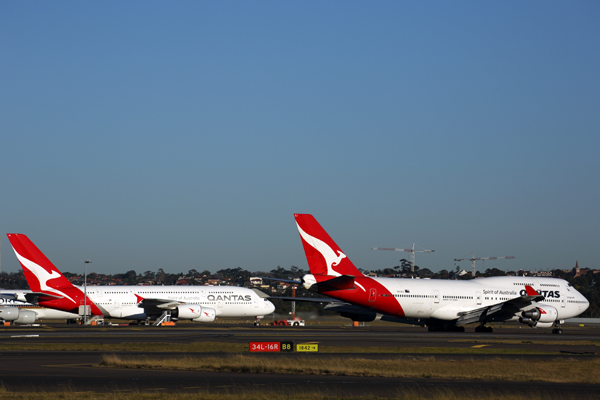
(412, 252)
(473, 259)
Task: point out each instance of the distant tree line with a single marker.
(587, 284)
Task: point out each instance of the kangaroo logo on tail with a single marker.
(331, 259)
(42, 276)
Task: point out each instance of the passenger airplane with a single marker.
(14, 310)
(435, 303)
(50, 288)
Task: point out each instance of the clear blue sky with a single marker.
(180, 135)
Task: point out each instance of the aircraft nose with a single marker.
(270, 307)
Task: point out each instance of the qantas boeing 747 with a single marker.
(50, 288)
(435, 303)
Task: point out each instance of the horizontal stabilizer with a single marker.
(34, 297)
(344, 282)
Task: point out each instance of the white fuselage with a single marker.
(445, 299)
(227, 301)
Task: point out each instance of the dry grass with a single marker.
(572, 370)
(434, 394)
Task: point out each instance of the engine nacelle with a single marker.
(539, 317)
(308, 281)
(208, 315)
(26, 317)
(9, 313)
(186, 311)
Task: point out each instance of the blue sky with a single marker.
(185, 135)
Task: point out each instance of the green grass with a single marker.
(594, 343)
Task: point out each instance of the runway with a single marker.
(37, 370)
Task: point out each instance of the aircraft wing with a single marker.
(164, 304)
(308, 299)
(507, 308)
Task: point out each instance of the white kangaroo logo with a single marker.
(331, 259)
(42, 276)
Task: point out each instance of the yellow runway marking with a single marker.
(479, 346)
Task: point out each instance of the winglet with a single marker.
(531, 291)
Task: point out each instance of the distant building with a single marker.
(256, 281)
(543, 273)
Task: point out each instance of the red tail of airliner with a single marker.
(323, 254)
(51, 288)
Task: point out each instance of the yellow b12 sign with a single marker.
(308, 347)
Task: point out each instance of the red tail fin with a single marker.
(41, 274)
(323, 255)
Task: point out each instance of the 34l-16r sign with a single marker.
(281, 346)
(265, 346)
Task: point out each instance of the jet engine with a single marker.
(186, 311)
(207, 315)
(17, 315)
(539, 317)
(9, 313)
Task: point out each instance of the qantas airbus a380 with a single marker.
(435, 303)
(50, 288)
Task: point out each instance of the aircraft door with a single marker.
(255, 303)
(563, 302)
(220, 303)
(372, 294)
(436, 296)
(478, 298)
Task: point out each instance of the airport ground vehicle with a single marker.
(289, 322)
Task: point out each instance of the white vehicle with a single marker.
(50, 288)
(436, 303)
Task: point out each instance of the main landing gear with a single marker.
(484, 329)
(557, 330)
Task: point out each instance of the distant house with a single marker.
(542, 273)
(256, 281)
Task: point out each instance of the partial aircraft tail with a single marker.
(323, 255)
(42, 276)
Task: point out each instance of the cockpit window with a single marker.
(569, 285)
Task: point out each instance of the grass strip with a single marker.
(595, 343)
(571, 370)
(433, 394)
(196, 347)
(220, 347)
